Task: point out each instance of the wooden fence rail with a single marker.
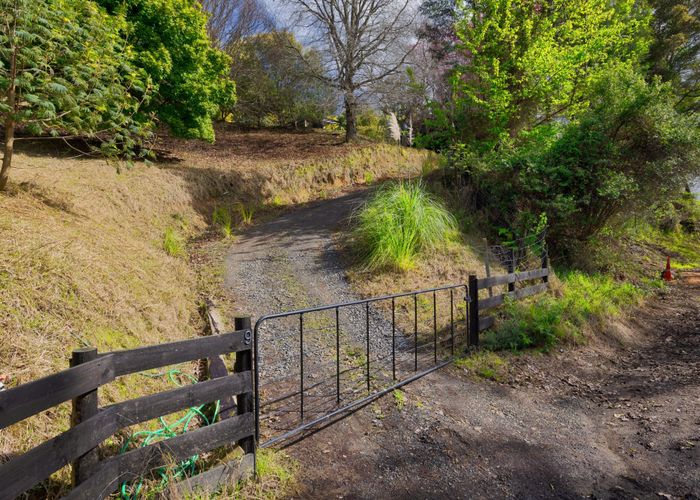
(91, 425)
(478, 322)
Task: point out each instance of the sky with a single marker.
(280, 9)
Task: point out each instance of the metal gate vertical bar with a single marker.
(434, 328)
(393, 338)
(301, 366)
(337, 355)
(367, 319)
(452, 321)
(415, 332)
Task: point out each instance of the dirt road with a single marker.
(615, 419)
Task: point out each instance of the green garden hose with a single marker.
(130, 491)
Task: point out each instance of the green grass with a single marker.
(173, 243)
(683, 247)
(246, 214)
(398, 223)
(222, 218)
(399, 398)
(275, 464)
(546, 320)
(484, 364)
(275, 476)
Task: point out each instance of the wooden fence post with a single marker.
(244, 362)
(545, 262)
(84, 407)
(487, 264)
(473, 311)
(511, 269)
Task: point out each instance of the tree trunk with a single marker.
(9, 149)
(350, 117)
(9, 122)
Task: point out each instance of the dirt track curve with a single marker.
(617, 419)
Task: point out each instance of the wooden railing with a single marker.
(477, 321)
(91, 425)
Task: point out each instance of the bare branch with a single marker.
(363, 41)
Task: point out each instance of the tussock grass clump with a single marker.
(399, 222)
(246, 214)
(173, 243)
(222, 218)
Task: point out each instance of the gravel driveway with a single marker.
(610, 420)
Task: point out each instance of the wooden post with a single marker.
(244, 362)
(487, 264)
(84, 407)
(214, 367)
(545, 262)
(473, 311)
(511, 269)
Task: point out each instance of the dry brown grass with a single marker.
(82, 245)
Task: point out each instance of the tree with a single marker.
(674, 54)
(629, 150)
(364, 41)
(273, 84)
(438, 27)
(231, 20)
(531, 62)
(190, 77)
(64, 71)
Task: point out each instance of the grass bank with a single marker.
(94, 255)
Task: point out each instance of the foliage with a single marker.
(399, 222)
(273, 82)
(673, 227)
(675, 51)
(684, 247)
(246, 214)
(222, 218)
(73, 75)
(547, 319)
(190, 77)
(531, 62)
(173, 243)
(438, 28)
(629, 148)
(399, 399)
(679, 214)
(371, 125)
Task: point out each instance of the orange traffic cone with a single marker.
(667, 275)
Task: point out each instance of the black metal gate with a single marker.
(315, 364)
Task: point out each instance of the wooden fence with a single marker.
(94, 477)
(477, 321)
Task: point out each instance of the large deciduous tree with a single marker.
(65, 71)
(364, 41)
(190, 76)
